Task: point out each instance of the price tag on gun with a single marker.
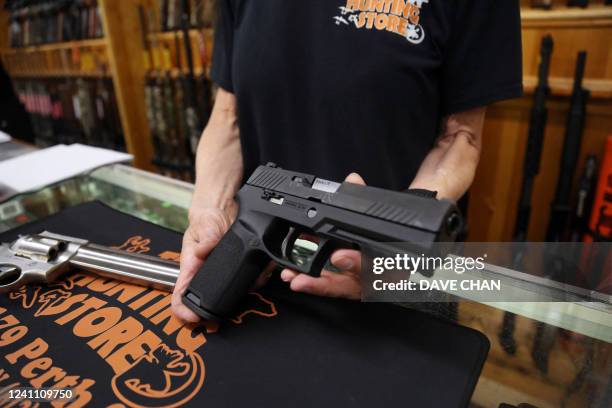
(43, 258)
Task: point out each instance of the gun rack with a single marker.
(86, 58)
(109, 56)
(496, 189)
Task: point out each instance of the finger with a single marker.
(192, 258)
(287, 275)
(355, 178)
(347, 260)
(182, 312)
(329, 284)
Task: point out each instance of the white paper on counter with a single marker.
(41, 168)
(4, 137)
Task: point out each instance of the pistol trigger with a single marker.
(289, 241)
(320, 258)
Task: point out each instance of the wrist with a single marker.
(207, 202)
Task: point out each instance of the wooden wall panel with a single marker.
(125, 50)
(496, 189)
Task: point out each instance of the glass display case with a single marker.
(560, 354)
(157, 199)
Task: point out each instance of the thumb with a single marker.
(355, 178)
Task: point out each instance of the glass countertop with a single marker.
(154, 198)
(551, 354)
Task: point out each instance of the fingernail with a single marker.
(287, 275)
(344, 263)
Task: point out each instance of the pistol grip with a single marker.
(227, 274)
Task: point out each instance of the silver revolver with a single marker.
(43, 258)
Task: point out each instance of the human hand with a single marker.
(206, 228)
(344, 284)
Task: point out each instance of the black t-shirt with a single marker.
(326, 88)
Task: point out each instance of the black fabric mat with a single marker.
(117, 344)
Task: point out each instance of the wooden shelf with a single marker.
(169, 35)
(58, 74)
(176, 73)
(600, 88)
(69, 45)
(594, 15)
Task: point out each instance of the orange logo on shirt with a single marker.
(401, 17)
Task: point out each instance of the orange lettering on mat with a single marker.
(123, 358)
(146, 298)
(187, 341)
(97, 322)
(126, 292)
(30, 351)
(43, 363)
(122, 333)
(88, 304)
(102, 284)
(156, 307)
(172, 324)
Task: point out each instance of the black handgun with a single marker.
(278, 206)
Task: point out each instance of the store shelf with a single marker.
(68, 45)
(600, 88)
(595, 15)
(58, 74)
(169, 35)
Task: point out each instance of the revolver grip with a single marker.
(227, 274)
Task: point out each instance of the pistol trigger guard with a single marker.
(11, 277)
(289, 241)
(320, 258)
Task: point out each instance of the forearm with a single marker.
(450, 166)
(219, 167)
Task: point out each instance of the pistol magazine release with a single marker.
(278, 206)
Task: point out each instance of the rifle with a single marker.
(196, 13)
(169, 112)
(87, 117)
(27, 26)
(163, 18)
(531, 168)
(96, 30)
(193, 119)
(158, 106)
(171, 16)
(15, 31)
(183, 128)
(41, 107)
(204, 84)
(149, 88)
(535, 140)
(101, 102)
(571, 148)
(73, 129)
(560, 209)
(584, 202)
(209, 13)
(111, 114)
